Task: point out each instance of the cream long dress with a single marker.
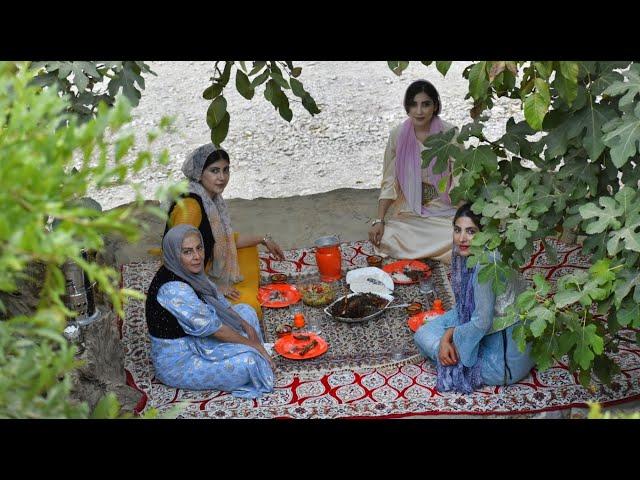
(406, 234)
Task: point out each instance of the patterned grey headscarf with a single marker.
(171, 248)
(193, 165)
(225, 268)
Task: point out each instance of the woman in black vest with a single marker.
(198, 339)
(231, 258)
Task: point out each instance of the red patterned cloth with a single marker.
(387, 392)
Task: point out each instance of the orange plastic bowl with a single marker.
(374, 260)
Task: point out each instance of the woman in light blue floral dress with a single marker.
(467, 350)
(199, 340)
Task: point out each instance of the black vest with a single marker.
(204, 227)
(160, 322)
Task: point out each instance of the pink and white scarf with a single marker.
(409, 170)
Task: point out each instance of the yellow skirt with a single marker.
(249, 263)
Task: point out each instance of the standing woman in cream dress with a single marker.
(414, 217)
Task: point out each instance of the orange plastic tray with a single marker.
(399, 266)
(288, 347)
(291, 294)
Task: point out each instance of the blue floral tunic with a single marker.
(201, 362)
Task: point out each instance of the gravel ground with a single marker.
(342, 147)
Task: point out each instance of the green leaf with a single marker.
(519, 230)
(623, 135)
(499, 208)
(285, 111)
(543, 287)
(478, 81)
(497, 273)
(219, 132)
(566, 297)
(630, 236)
(310, 105)
(601, 271)
(397, 67)
(566, 341)
(80, 79)
(626, 198)
(441, 147)
(442, 184)
(257, 66)
(243, 85)
(567, 89)
(587, 342)
(600, 84)
(537, 326)
(569, 70)
(480, 238)
(631, 86)
(269, 90)
(526, 300)
(216, 112)
(544, 69)
(480, 158)
(607, 216)
(500, 323)
(537, 105)
(627, 279)
(443, 67)
(629, 314)
(594, 292)
(107, 408)
(279, 79)
(226, 74)
(260, 79)
(297, 88)
(212, 91)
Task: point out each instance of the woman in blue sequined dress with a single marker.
(199, 340)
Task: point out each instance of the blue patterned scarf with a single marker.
(458, 377)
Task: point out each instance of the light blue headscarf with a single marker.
(171, 247)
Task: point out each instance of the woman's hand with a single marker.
(250, 331)
(447, 353)
(375, 233)
(229, 291)
(258, 346)
(274, 248)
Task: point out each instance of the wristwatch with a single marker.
(377, 221)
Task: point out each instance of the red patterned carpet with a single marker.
(404, 389)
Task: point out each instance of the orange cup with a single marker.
(298, 320)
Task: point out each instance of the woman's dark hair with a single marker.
(465, 211)
(422, 86)
(215, 156)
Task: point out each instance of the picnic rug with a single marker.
(363, 379)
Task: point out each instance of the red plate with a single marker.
(289, 292)
(398, 266)
(417, 320)
(288, 347)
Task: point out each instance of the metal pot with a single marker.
(389, 299)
